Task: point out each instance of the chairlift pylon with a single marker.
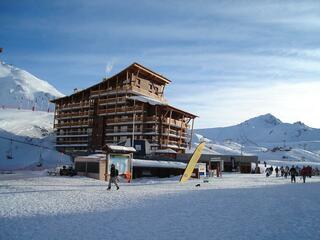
(9, 152)
(39, 164)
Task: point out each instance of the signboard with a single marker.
(202, 170)
(121, 163)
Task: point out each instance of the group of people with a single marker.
(294, 171)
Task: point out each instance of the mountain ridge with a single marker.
(21, 89)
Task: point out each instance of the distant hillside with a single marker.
(21, 89)
(263, 129)
(267, 137)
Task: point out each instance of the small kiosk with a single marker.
(121, 157)
(98, 165)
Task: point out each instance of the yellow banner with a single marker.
(192, 163)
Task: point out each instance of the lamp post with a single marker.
(133, 122)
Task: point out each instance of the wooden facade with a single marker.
(129, 105)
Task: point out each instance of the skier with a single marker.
(271, 170)
(113, 177)
(286, 171)
(277, 171)
(293, 173)
(304, 173)
(309, 171)
(282, 171)
(268, 172)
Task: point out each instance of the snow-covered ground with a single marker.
(34, 206)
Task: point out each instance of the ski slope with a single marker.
(27, 137)
(236, 206)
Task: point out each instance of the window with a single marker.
(156, 90)
(150, 87)
(124, 128)
(123, 139)
(93, 167)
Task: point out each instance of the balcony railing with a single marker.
(78, 123)
(120, 110)
(176, 123)
(73, 105)
(147, 93)
(110, 90)
(124, 120)
(74, 114)
(112, 100)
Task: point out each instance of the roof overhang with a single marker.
(112, 148)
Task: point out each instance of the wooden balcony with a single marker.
(110, 91)
(120, 110)
(70, 106)
(72, 115)
(147, 93)
(175, 123)
(111, 101)
(174, 133)
(72, 124)
(123, 120)
(68, 135)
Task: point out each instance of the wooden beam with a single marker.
(191, 134)
(181, 127)
(169, 125)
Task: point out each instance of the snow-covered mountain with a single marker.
(263, 129)
(21, 89)
(26, 137)
(265, 136)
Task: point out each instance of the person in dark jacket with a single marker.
(277, 171)
(304, 173)
(282, 171)
(309, 171)
(293, 173)
(271, 169)
(113, 177)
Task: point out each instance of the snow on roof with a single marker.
(90, 158)
(149, 100)
(117, 148)
(168, 150)
(159, 164)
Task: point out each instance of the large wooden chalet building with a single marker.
(129, 105)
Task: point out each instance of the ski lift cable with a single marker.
(23, 142)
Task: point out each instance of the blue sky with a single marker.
(228, 60)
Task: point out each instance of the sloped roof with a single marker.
(136, 66)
